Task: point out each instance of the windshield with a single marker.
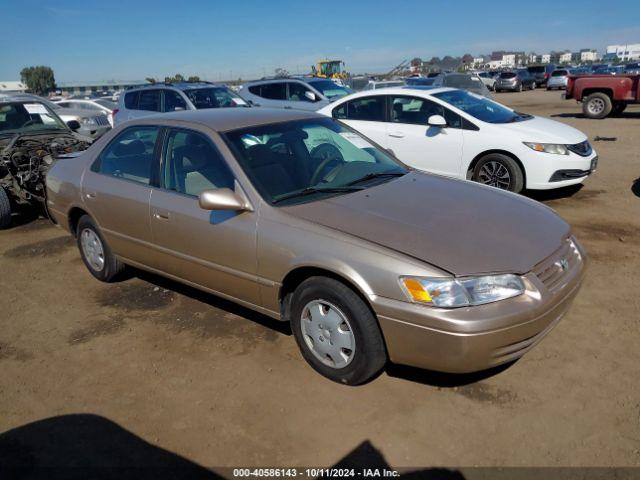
(214, 97)
(308, 160)
(480, 107)
(330, 89)
(107, 104)
(22, 117)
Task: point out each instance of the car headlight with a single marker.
(461, 292)
(88, 121)
(556, 148)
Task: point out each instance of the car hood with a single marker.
(458, 226)
(543, 130)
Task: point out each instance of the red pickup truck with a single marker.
(603, 95)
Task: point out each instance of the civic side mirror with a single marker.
(310, 96)
(222, 199)
(437, 121)
(73, 125)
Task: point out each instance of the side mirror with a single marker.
(310, 96)
(222, 199)
(437, 121)
(73, 125)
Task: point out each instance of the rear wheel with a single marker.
(500, 171)
(336, 331)
(5, 209)
(95, 252)
(597, 105)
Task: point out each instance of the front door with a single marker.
(367, 115)
(432, 149)
(214, 249)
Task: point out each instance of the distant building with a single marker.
(589, 55)
(625, 52)
(12, 87)
(545, 58)
(533, 58)
(565, 57)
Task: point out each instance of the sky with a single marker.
(220, 39)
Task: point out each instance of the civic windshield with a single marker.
(214, 97)
(107, 104)
(330, 89)
(481, 107)
(19, 117)
(307, 160)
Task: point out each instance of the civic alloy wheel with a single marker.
(495, 174)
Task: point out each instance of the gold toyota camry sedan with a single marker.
(299, 217)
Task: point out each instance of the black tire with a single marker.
(597, 106)
(5, 209)
(369, 353)
(112, 267)
(618, 108)
(493, 161)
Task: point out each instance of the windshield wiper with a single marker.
(312, 190)
(369, 176)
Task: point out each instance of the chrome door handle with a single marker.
(161, 215)
(397, 135)
(90, 195)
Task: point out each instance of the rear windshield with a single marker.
(539, 69)
(507, 75)
(559, 73)
(462, 81)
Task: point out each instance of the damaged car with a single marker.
(32, 138)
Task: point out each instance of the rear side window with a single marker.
(367, 108)
(149, 100)
(274, 91)
(130, 155)
(131, 100)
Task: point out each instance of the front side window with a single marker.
(130, 155)
(416, 111)
(173, 101)
(149, 100)
(214, 97)
(192, 165)
(366, 108)
(297, 92)
(306, 160)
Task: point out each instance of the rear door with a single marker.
(367, 115)
(215, 249)
(116, 191)
(272, 94)
(433, 149)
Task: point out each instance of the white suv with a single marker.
(170, 97)
(299, 93)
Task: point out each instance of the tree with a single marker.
(434, 60)
(39, 80)
(193, 78)
(151, 80)
(467, 58)
(175, 79)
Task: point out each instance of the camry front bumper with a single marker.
(477, 338)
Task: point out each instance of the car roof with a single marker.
(400, 90)
(307, 79)
(176, 86)
(225, 119)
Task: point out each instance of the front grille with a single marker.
(552, 271)
(101, 120)
(583, 149)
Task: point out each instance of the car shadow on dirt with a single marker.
(82, 446)
(554, 194)
(635, 187)
(630, 115)
(282, 328)
(442, 379)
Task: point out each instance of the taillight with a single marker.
(546, 76)
(113, 114)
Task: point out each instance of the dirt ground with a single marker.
(147, 360)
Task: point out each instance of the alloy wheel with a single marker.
(596, 106)
(495, 174)
(327, 333)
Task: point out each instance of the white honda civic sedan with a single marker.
(460, 134)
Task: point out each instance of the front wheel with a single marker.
(597, 105)
(500, 171)
(95, 253)
(5, 209)
(336, 331)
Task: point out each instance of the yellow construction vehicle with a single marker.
(332, 69)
